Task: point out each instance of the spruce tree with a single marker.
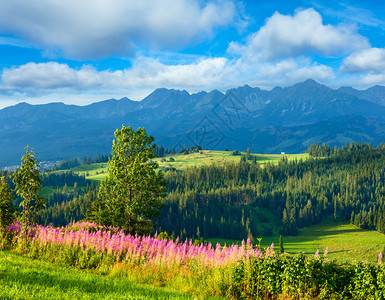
(27, 180)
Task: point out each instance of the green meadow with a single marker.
(25, 278)
(181, 161)
(343, 240)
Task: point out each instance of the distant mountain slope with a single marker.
(283, 119)
(375, 94)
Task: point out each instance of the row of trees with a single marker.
(325, 150)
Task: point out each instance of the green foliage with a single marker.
(6, 209)
(6, 212)
(300, 277)
(27, 180)
(133, 190)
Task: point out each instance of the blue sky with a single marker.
(78, 52)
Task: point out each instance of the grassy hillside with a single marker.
(343, 240)
(25, 278)
(180, 162)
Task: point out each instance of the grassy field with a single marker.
(205, 157)
(24, 278)
(343, 240)
(93, 171)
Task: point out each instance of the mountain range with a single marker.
(283, 119)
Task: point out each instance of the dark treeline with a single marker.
(161, 151)
(65, 208)
(240, 200)
(63, 178)
(72, 196)
(325, 150)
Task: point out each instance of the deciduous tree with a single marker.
(134, 187)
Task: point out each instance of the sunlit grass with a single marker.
(25, 278)
(98, 171)
(343, 240)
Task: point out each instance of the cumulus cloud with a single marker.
(283, 73)
(303, 33)
(98, 28)
(366, 67)
(367, 60)
(145, 73)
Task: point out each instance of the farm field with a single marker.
(181, 161)
(343, 240)
(25, 278)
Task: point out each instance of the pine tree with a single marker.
(27, 180)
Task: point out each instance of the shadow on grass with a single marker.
(324, 234)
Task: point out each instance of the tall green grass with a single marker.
(25, 278)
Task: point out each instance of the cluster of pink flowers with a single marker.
(145, 249)
(90, 226)
(16, 227)
(325, 253)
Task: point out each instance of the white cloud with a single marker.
(99, 28)
(367, 60)
(366, 67)
(301, 34)
(282, 73)
(47, 77)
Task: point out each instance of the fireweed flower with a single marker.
(380, 258)
(122, 247)
(316, 253)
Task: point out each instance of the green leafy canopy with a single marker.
(134, 187)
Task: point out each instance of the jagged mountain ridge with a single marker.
(283, 119)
